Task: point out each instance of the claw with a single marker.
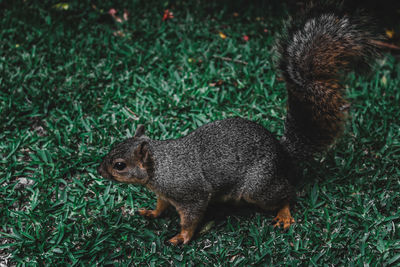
(177, 240)
(283, 219)
(181, 238)
(283, 222)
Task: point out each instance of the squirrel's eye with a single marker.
(119, 166)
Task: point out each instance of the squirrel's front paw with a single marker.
(176, 240)
(179, 239)
(147, 213)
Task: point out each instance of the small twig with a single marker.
(231, 60)
(133, 113)
(387, 45)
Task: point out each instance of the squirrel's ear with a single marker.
(142, 152)
(140, 130)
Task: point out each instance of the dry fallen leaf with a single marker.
(113, 13)
(389, 33)
(119, 33)
(126, 15)
(167, 15)
(384, 80)
(61, 6)
(222, 35)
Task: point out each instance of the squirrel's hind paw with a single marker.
(283, 222)
(284, 218)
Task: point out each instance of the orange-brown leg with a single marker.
(161, 206)
(284, 218)
(189, 221)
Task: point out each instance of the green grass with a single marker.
(70, 88)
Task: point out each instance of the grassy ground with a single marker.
(74, 81)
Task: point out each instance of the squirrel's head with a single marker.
(130, 161)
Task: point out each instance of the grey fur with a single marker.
(227, 160)
(232, 159)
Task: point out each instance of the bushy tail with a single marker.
(313, 55)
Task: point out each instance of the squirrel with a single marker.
(239, 160)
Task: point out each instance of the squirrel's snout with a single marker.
(103, 172)
(100, 170)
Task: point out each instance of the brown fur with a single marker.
(318, 49)
(323, 110)
(188, 227)
(284, 218)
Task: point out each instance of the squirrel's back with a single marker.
(234, 140)
(316, 51)
(222, 153)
